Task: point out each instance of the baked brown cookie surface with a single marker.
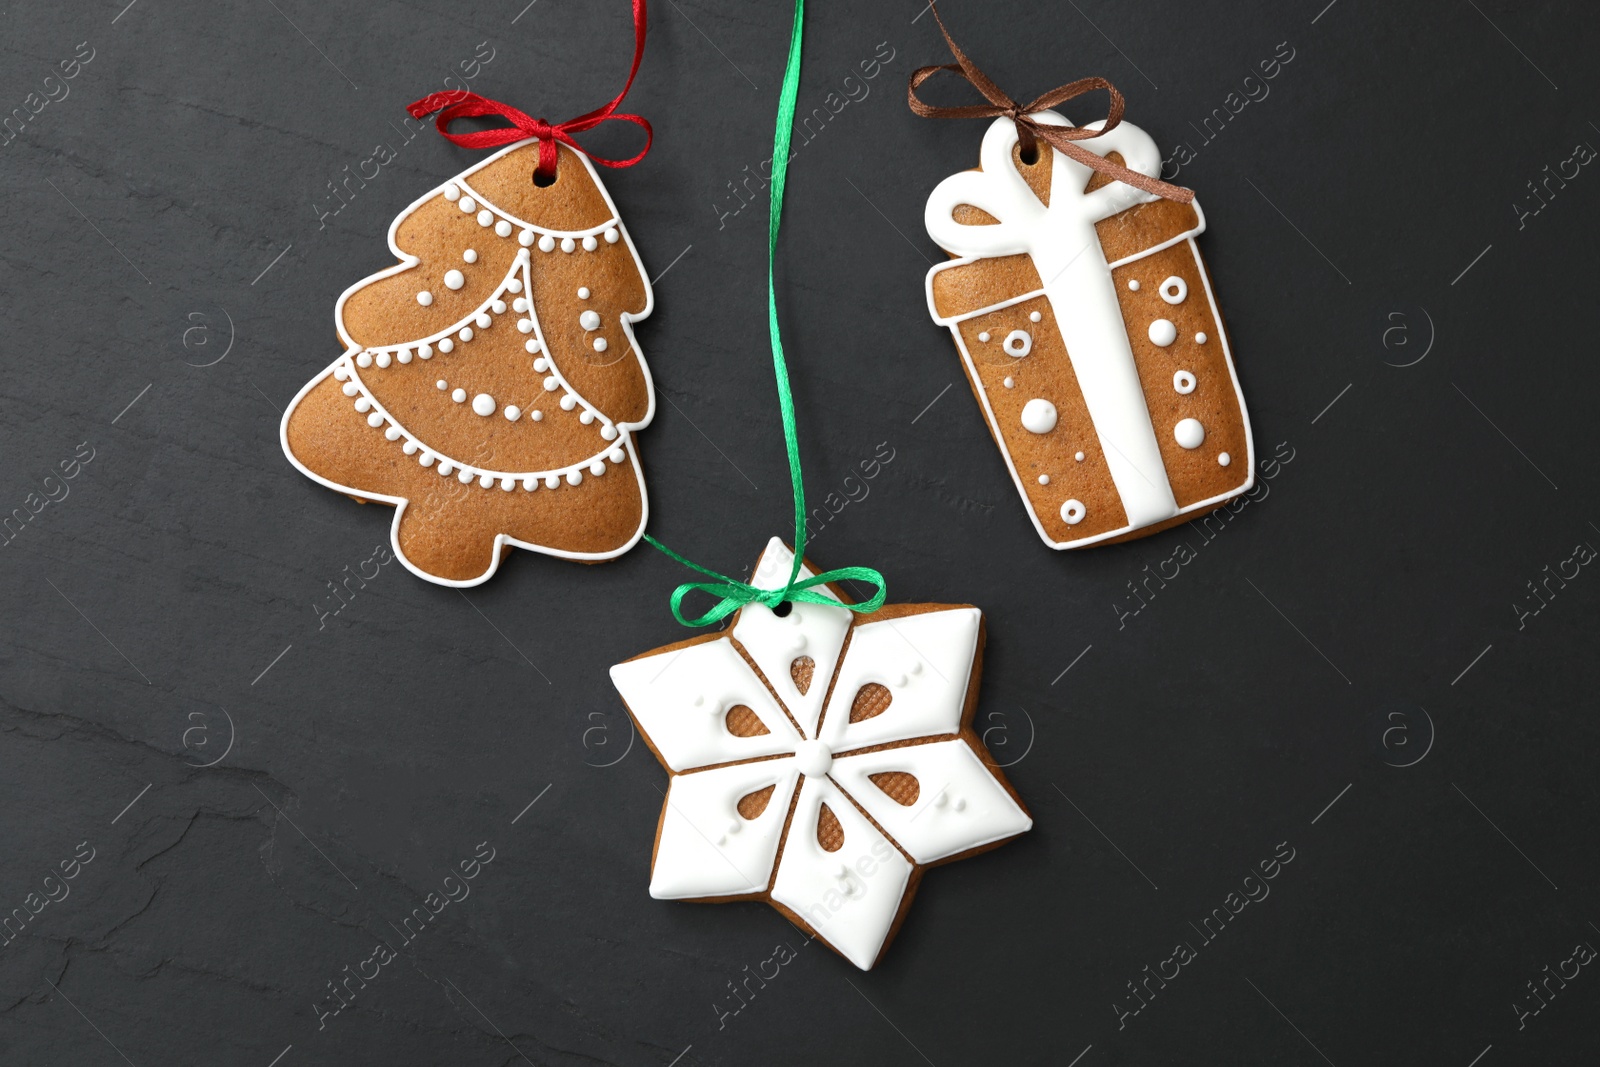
(1089, 333)
(491, 384)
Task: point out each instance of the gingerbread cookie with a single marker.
(821, 760)
(491, 384)
(1087, 325)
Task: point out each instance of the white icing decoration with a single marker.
(470, 255)
(568, 401)
(1038, 416)
(609, 433)
(525, 325)
(403, 356)
(483, 404)
(583, 292)
(382, 359)
(589, 320)
(459, 396)
(467, 205)
(1224, 459)
(1174, 290)
(1078, 456)
(1200, 338)
(547, 243)
(374, 420)
(451, 192)
(532, 345)
(519, 304)
(600, 344)
(1189, 433)
(446, 345)
(1010, 382)
(1072, 512)
(1044, 479)
(984, 337)
(852, 896)
(1133, 284)
(525, 238)
(425, 298)
(590, 244)
(568, 244)
(483, 320)
(1018, 343)
(502, 229)
(453, 279)
(498, 307)
(612, 235)
(1163, 332)
(537, 416)
(485, 217)
(364, 360)
(1061, 241)
(465, 333)
(513, 413)
(442, 384)
(1183, 382)
(425, 351)
(1034, 316)
(574, 477)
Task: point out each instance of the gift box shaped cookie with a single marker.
(1091, 337)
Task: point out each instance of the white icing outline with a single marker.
(624, 439)
(953, 323)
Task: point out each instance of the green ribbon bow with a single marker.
(733, 594)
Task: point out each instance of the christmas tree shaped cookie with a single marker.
(491, 384)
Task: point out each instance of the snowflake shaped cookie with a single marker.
(820, 760)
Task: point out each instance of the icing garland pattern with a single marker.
(819, 760)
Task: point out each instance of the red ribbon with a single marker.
(460, 105)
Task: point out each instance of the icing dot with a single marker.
(574, 477)
(1200, 338)
(468, 205)
(508, 484)
(597, 468)
(364, 360)
(1163, 332)
(1183, 382)
(1224, 459)
(1034, 316)
(1072, 512)
(441, 384)
(374, 420)
(541, 364)
(608, 432)
(599, 344)
(425, 351)
(1038, 416)
(445, 466)
(451, 192)
(586, 417)
(612, 235)
(616, 455)
(486, 480)
(590, 244)
(425, 298)
(1044, 479)
(503, 229)
(340, 373)
(984, 337)
(567, 245)
(519, 304)
(363, 405)
(426, 459)
(1133, 285)
(404, 355)
(525, 325)
(1189, 433)
(483, 404)
(454, 279)
(552, 480)
(409, 448)
(351, 389)
(485, 217)
(551, 385)
(531, 482)
(525, 238)
(465, 476)
(547, 243)
(1078, 456)
(532, 346)
(813, 758)
(446, 345)
(470, 255)
(1010, 382)
(537, 416)
(513, 413)
(459, 396)
(589, 320)
(465, 333)
(583, 292)
(498, 307)
(1174, 290)
(568, 402)
(1018, 343)
(383, 359)
(483, 320)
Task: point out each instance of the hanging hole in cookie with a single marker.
(801, 671)
(742, 721)
(830, 835)
(751, 805)
(783, 609)
(1029, 155)
(543, 180)
(871, 701)
(902, 788)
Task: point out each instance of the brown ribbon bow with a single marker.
(1029, 130)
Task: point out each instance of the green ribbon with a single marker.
(733, 594)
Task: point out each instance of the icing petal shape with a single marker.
(925, 661)
(851, 896)
(681, 699)
(699, 853)
(959, 804)
(814, 630)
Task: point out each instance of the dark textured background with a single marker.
(1349, 640)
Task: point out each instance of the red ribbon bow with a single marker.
(460, 105)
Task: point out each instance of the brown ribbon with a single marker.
(1029, 130)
